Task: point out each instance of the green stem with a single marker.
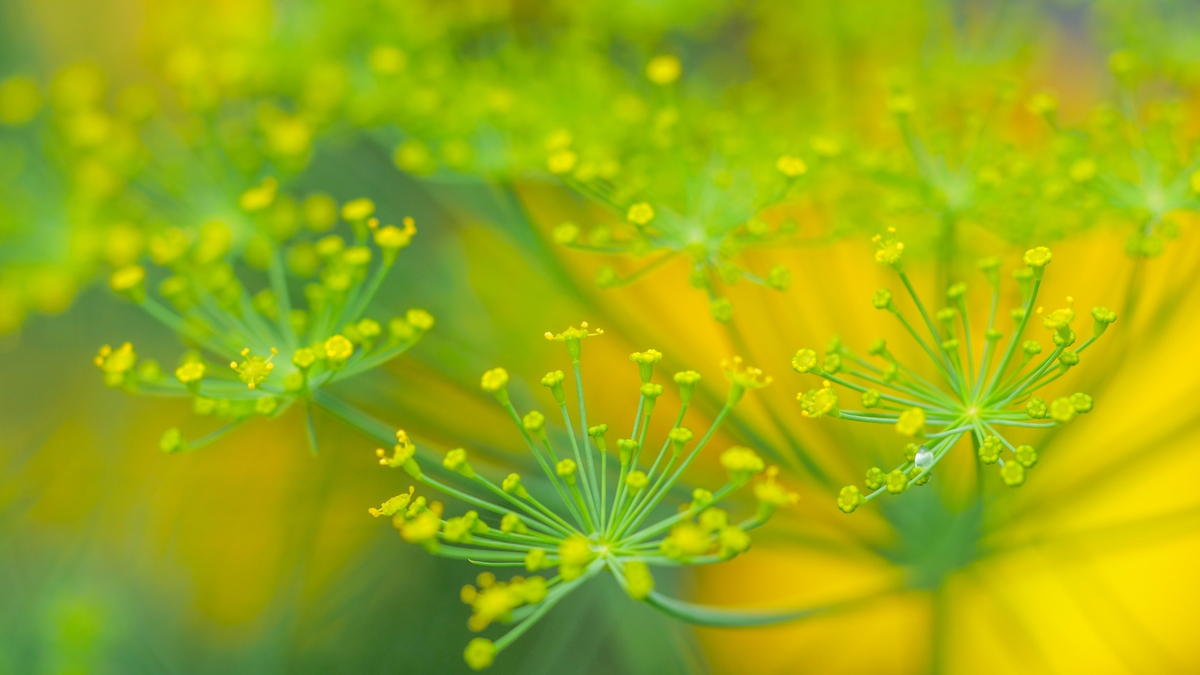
(474, 554)
(178, 325)
(587, 444)
(970, 369)
(591, 507)
(371, 362)
(551, 470)
(636, 506)
(668, 523)
(282, 298)
(887, 397)
(364, 300)
(989, 350)
(1012, 345)
(537, 455)
(682, 467)
(932, 329)
(545, 605)
(619, 488)
(310, 427)
(1017, 388)
(549, 518)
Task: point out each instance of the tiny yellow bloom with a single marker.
(663, 69)
(639, 581)
(911, 422)
(640, 213)
(561, 162)
(494, 379)
(338, 349)
(260, 196)
(358, 210)
(190, 372)
(791, 166)
(19, 101)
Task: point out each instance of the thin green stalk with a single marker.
(937, 361)
(970, 369)
(668, 523)
(468, 498)
(888, 397)
(591, 506)
(618, 489)
(310, 427)
(989, 350)
(549, 518)
(929, 324)
(683, 466)
(178, 325)
(579, 514)
(604, 491)
(1012, 344)
(573, 488)
(474, 554)
(645, 496)
(214, 435)
(364, 300)
(587, 444)
(1032, 377)
(623, 511)
(548, 470)
(546, 604)
(354, 367)
(283, 299)
(927, 388)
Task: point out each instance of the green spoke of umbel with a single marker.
(982, 398)
(589, 524)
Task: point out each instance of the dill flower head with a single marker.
(68, 151)
(721, 218)
(1109, 169)
(982, 398)
(238, 321)
(581, 517)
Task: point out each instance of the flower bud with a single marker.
(626, 447)
(597, 433)
(456, 460)
(535, 423)
(687, 384)
(1037, 259)
(849, 499)
(679, 437)
(646, 361)
(496, 381)
(553, 380)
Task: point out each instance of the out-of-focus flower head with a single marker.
(720, 218)
(1132, 160)
(237, 324)
(68, 149)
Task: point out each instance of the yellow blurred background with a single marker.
(254, 556)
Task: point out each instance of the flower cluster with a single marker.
(721, 220)
(235, 330)
(580, 518)
(687, 169)
(971, 398)
(67, 153)
(1130, 161)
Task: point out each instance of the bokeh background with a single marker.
(254, 556)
